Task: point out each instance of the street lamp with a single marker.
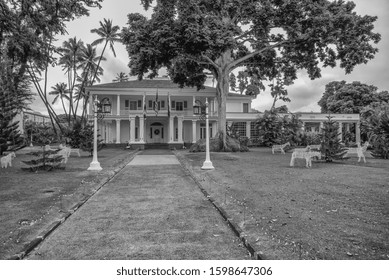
(199, 110)
(99, 110)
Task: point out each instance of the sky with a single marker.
(304, 93)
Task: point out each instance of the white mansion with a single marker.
(135, 119)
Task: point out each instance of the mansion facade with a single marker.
(157, 112)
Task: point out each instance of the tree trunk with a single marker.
(222, 89)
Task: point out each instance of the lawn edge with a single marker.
(255, 253)
(54, 225)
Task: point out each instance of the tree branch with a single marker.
(250, 55)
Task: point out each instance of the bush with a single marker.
(233, 145)
(275, 129)
(379, 134)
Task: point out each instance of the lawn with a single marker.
(333, 211)
(31, 202)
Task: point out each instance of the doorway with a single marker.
(157, 133)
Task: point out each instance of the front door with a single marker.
(157, 133)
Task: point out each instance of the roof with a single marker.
(161, 83)
(145, 83)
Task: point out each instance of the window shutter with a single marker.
(185, 104)
(173, 104)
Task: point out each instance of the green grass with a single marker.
(31, 201)
(332, 211)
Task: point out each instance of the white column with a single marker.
(118, 105)
(194, 130)
(303, 127)
(109, 127)
(171, 129)
(141, 129)
(340, 131)
(117, 131)
(321, 127)
(347, 127)
(248, 129)
(358, 132)
(180, 123)
(132, 130)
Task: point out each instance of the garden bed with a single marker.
(30, 202)
(334, 210)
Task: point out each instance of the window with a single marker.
(173, 104)
(254, 132)
(239, 128)
(203, 130)
(139, 103)
(133, 105)
(162, 104)
(179, 106)
(150, 104)
(245, 107)
(126, 103)
(185, 104)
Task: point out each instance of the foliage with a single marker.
(331, 146)
(277, 129)
(27, 33)
(10, 137)
(266, 38)
(306, 138)
(241, 141)
(47, 160)
(350, 98)
(378, 127)
(270, 128)
(121, 77)
(81, 136)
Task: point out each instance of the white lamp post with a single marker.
(207, 165)
(95, 164)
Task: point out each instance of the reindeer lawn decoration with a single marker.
(279, 148)
(305, 154)
(360, 151)
(7, 160)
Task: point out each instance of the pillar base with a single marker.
(207, 165)
(95, 166)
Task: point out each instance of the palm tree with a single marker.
(71, 51)
(109, 34)
(121, 77)
(88, 64)
(61, 92)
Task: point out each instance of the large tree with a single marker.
(27, 34)
(271, 37)
(342, 97)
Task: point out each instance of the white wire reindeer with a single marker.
(360, 151)
(304, 154)
(279, 148)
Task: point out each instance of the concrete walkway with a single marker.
(151, 210)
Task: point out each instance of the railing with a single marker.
(162, 112)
